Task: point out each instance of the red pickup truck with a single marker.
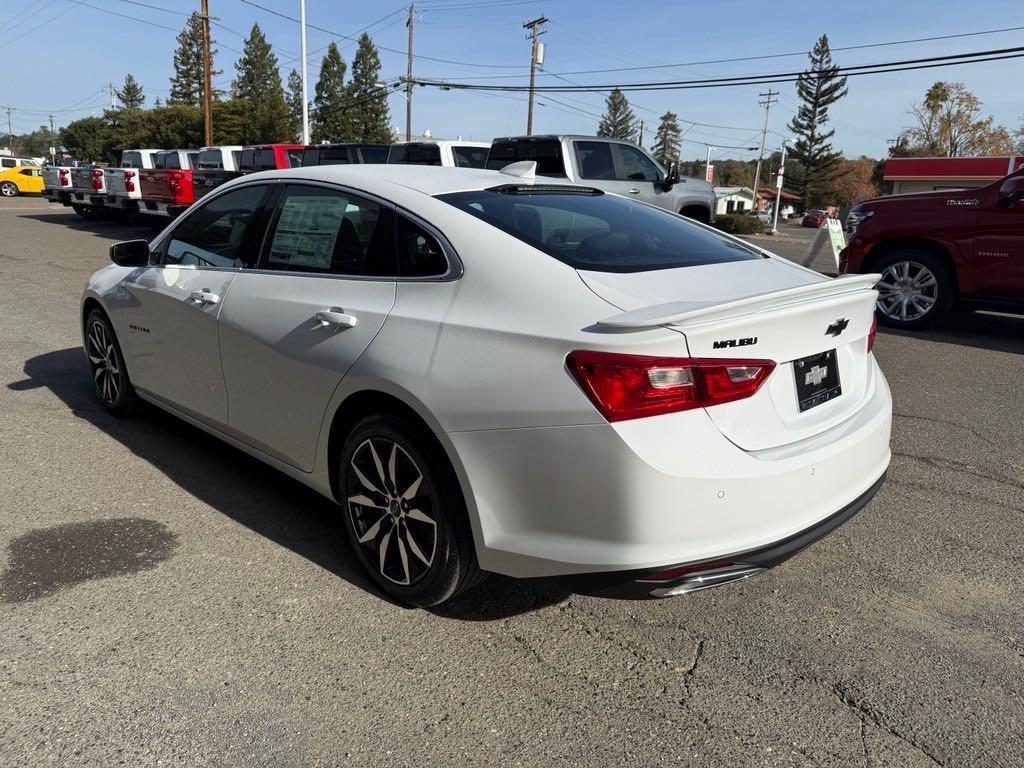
(939, 250)
(167, 186)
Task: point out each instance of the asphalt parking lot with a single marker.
(165, 600)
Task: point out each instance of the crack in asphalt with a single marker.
(953, 465)
(867, 715)
(958, 425)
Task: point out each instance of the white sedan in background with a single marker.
(493, 372)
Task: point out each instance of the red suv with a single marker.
(939, 250)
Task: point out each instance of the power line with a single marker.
(679, 65)
(123, 15)
(904, 65)
(380, 47)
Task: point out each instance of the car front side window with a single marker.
(224, 233)
(329, 231)
(636, 166)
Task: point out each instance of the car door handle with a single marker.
(204, 297)
(633, 191)
(334, 318)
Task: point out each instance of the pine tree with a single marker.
(818, 88)
(187, 83)
(367, 101)
(295, 101)
(618, 121)
(333, 120)
(130, 94)
(668, 140)
(259, 84)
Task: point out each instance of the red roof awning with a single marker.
(950, 167)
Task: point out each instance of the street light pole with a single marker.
(778, 189)
(305, 87)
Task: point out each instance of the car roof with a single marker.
(379, 178)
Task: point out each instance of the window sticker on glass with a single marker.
(307, 230)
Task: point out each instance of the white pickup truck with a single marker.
(611, 165)
(123, 188)
(57, 184)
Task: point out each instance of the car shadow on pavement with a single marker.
(110, 228)
(240, 487)
(983, 330)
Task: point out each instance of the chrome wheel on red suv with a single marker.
(915, 290)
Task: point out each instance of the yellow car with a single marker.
(18, 181)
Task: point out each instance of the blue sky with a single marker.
(582, 35)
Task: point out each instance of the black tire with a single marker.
(916, 265)
(110, 378)
(9, 189)
(83, 210)
(390, 532)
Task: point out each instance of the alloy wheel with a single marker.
(907, 291)
(392, 511)
(106, 371)
(7, 189)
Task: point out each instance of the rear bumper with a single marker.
(122, 203)
(57, 196)
(632, 585)
(648, 494)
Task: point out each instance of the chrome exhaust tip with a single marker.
(708, 579)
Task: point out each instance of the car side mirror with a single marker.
(130, 253)
(1011, 192)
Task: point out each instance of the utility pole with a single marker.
(207, 105)
(305, 89)
(410, 22)
(110, 88)
(640, 138)
(10, 129)
(769, 99)
(53, 143)
(778, 189)
(535, 30)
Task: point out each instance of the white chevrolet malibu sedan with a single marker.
(491, 372)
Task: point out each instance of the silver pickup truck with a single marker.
(610, 165)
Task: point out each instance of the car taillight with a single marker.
(64, 181)
(631, 386)
(97, 180)
(873, 332)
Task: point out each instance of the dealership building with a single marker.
(928, 174)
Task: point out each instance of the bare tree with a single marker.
(950, 124)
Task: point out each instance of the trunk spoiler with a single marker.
(687, 313)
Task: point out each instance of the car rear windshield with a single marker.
(131, 159)
(210, 159)
(415, 154)
(337, 156)
(375, 154)
(602, 233)
(469, 157)
(547, 153)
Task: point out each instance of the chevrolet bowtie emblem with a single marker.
(837, 327)
(815, 376)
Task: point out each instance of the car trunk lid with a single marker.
(814, 328)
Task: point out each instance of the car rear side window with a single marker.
(225, 232)
(547, 153)
(469, 157)
(595, 159)
(333, 232)
(419, 252)
(603, 233)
